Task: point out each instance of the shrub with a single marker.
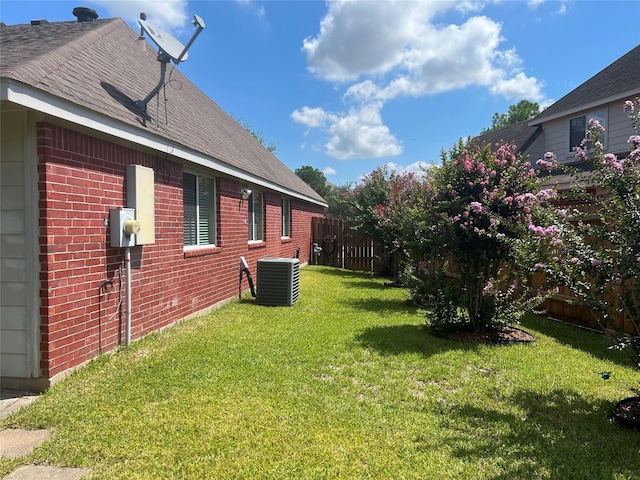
(600, 257)
(484, 215)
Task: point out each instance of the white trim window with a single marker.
(578, 127)
(199, 204)
(256, 217)
(286, 218)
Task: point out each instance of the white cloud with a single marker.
(399, 44)
(358, 38)
(170, 15)
(250, 5)
(518, 87)
(562, 9)
(328, 171)
(418, 168)
(469, 6)
(433, 60)
(388, 49)
(363, 91)
(311, 117)
(547, 102)
(359, 133)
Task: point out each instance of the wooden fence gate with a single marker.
(344, 248)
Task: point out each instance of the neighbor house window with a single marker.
(578, 127)
(199, 201)
(256, 217)
(286, 217)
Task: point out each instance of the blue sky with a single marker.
(346, 86)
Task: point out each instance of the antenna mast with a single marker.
(168, 49)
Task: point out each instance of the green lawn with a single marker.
(347, 383)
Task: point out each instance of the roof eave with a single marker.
(587, 106)
(38, 100)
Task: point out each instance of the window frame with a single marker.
(600, 115)
(286, 218)
(199, 213)
(252, 222)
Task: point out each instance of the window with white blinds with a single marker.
(199, 201)
(256, 217)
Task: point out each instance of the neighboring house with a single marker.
(73, 144)
(562, 126)
(601, 97)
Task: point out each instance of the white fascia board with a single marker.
(44, 102)
(586, 106)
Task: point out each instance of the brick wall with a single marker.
(82, 278)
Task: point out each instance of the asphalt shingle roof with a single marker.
(103, 66)
(521, 134)
(621, 77)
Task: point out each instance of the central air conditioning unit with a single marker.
(278, 281)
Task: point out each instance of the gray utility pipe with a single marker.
(127, 261)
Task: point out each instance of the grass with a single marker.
(347, 383)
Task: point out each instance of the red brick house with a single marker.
(73, 143)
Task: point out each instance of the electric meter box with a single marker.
(124, 226)
(140, 196)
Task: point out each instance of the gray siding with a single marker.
(18, 326)
(617, 131)
(619, 128)
(556, 139)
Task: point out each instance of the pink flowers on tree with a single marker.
(486, 224)
(548, 163)
(383, 207)
(486, 217)
(610, 267)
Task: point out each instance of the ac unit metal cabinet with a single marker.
(278, 281)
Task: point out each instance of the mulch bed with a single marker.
(627, 413)
(503, 336)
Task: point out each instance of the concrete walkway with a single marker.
(16, 443)
(13, 400)
(35, 472)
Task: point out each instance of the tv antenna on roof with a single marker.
(169, 49)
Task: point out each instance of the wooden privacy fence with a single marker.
(565, 306)
(344, 248)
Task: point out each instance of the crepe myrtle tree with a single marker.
(384, 206)
(604, 273)
(483, 203)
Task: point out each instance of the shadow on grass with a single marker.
(339, 272)
(354, 278)
(573, 336)
(364, 283)
(382, 306)
(399, 339)
(555, 435)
